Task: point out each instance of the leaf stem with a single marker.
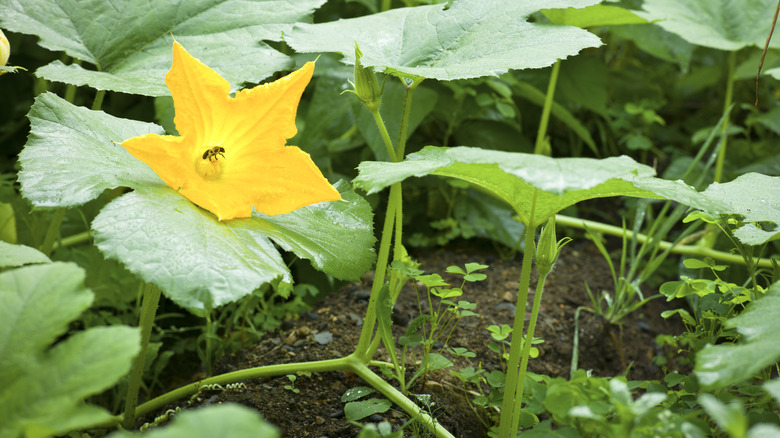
(385, 136)
(692, 250)
(341, 363)
(541, 134)
(148, 312)
(529, 336)
(399, 399)
(75, 239)
(97, 104)
(363, 351)
(52, 232)
(512, 399)
(732, 62)
(407, 111)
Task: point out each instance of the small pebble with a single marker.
(358, 320)
(375, 418)
(508, 306)
(323, 338)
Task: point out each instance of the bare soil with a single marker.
(316, 411)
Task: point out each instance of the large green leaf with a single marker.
(129, 41)
(18, 255)
(471, 38)
(228, 420)
(722, 365)
(42, 387)
(720, 24)
(596, 15)
(200, 262)
(514, 177)
(337, 237)
(756, 198)
(73, 154)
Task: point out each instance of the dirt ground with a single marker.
(317, 411)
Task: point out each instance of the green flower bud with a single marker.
(5, 48)
(548, 249)
(366, 86)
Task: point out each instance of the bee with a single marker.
(211, 154)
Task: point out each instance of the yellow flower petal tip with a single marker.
(5, 48)
(230, 154)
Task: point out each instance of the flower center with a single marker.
(209, 166)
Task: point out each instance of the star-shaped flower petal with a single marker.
(231, 153)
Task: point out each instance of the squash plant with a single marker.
(200, 214)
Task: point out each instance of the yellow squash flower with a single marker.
(231, 152)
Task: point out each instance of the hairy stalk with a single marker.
(347, 363)
(548, 100)
(512, 399)
(399, 399)
(529, 337)
(242, 375)
(148, 312)
(395, 199)
(364, 342)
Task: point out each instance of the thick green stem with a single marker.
(541, 134)
(97, 104)
(52, 232)
(366, 349)
(512, 399)
(399, 399)
(75, 239)
(726, 104)
(363, 351)
(385, 136)
(529, 337)
(692, 250)
(148, 312)
(407, 111)
(348, 363)
(243, 375)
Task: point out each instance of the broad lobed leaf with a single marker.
(471, 38)
(201, 263)
(719, 24)
(43, 387)
(513, 177)
(73, 154)
(129, 41)
(561, 182)
(718, 366)
(18, 255)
